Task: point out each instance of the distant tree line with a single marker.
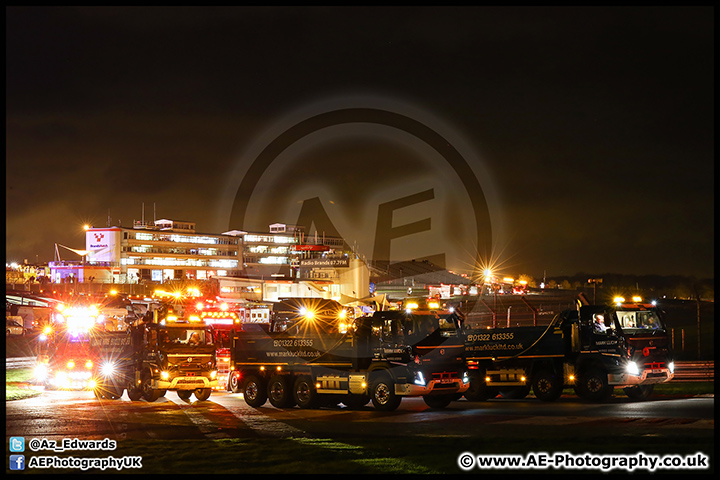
(647, 286)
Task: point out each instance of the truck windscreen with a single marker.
(186, 336)
(639, 321)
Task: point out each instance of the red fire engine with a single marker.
(225, 317)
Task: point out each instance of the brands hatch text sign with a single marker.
(325, 262)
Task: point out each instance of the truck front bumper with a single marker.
(433, 387)
(184, 383)
(646, 377)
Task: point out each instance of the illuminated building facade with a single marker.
(162, 251)
(267, 265)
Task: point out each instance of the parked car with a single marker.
(13, 327)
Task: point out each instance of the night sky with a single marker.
(590, 130)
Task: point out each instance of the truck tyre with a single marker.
(438, 401)
(134, 394)
(202, 394)
(234, 382)
(184, 394)
(547, 385)
(150, 394)
(254, 391)
(305, 394)
(593, 386)
(479, 391)
(639, 392)
(515, 393)
(279, 393)
(382, 391)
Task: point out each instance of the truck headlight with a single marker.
(632, 368)
(41, 372)
(419, 379)
(107, 369)
(213, 374)
(671, 367)
(164, 375)
(466, 378)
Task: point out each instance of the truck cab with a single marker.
(428, 344)
(167, 353)
(623, 345)
(178, 355)
(650, 357)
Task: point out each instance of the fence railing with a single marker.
(19, 362)
(695, 371)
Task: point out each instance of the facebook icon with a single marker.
(17, 462)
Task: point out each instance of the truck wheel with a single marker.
(202, 394)
(479, 391)
(383, 394)
(134, 394)
(184, 394)
(305, 394)
(234, 382)
(547, 385)
(279, 394)
(639, 392)
(593, 385)
(515, 393)
(254, 391)
(150, 394)
(438, 401)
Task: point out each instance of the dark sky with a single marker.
(591, 129)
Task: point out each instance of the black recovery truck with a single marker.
(311, 360)
(150, 358)
(594, 349)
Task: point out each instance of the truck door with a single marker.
(602, 333)
(363, 337)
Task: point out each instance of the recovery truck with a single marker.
(153, 357)
(631, 351)
(64, 360)
(311, 359)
